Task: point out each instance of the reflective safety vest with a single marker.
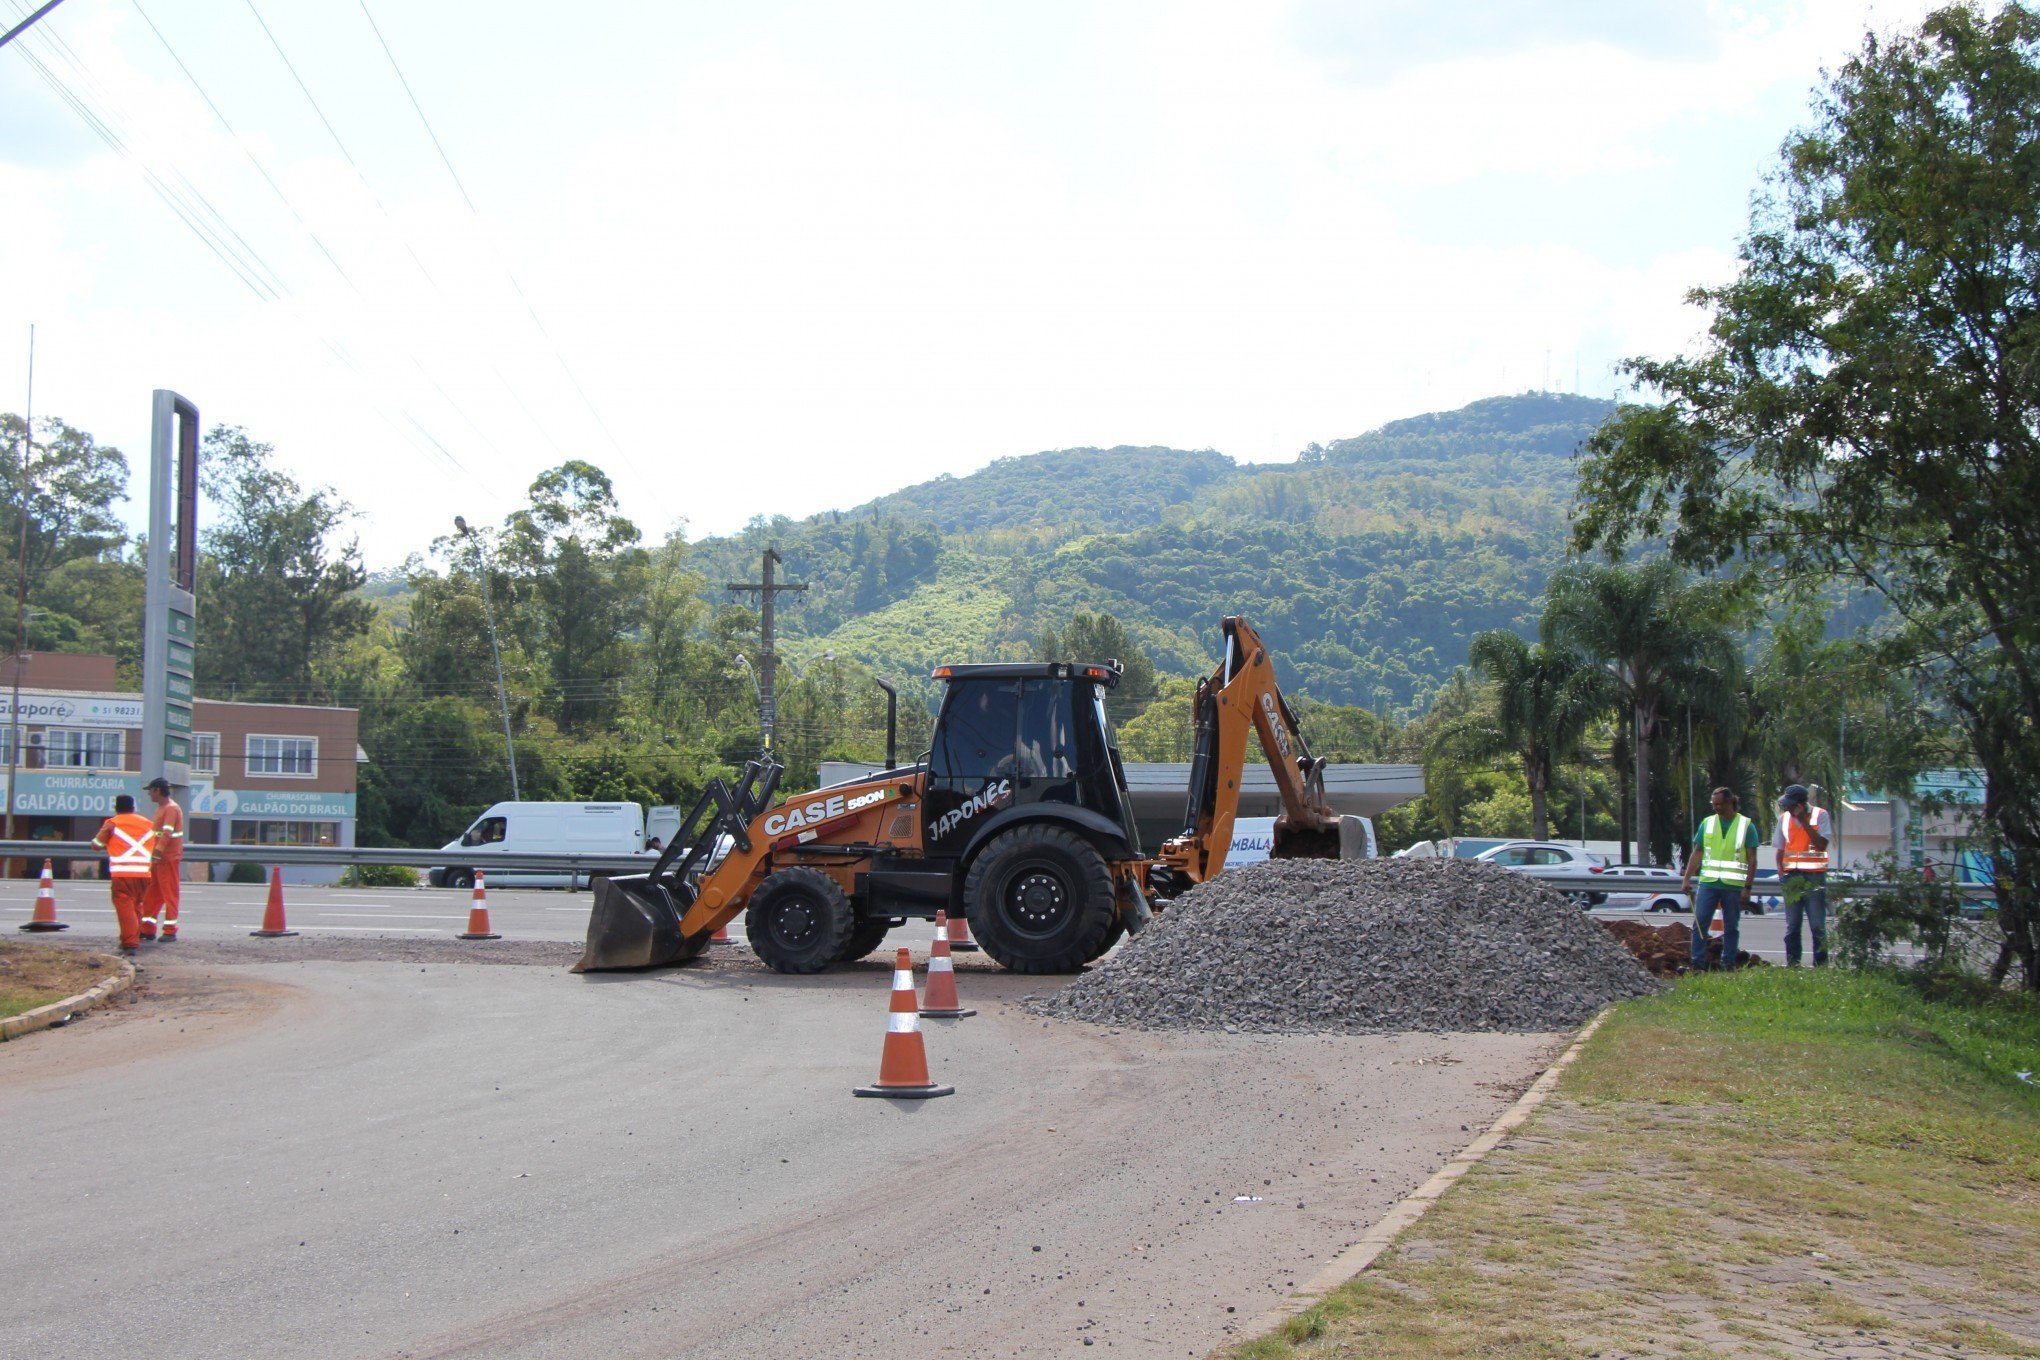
(170, 832)
(1799, 856)
(1722, 846)
(126, 838)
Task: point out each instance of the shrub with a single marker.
(1915, 910)
(247, 873)
(379, 876)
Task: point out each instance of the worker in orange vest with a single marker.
(1802, 844)
(125, 838)
(166, 862)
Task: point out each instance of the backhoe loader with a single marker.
(1018, 818)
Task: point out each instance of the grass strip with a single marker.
(34, 975)
(1769, 1163)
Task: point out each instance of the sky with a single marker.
(778, 258)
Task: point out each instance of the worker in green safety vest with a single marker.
(1725, 857)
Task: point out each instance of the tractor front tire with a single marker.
(1040, 900)
(868, 934)
(798, 921)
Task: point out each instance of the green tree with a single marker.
(1865, 409)
(1545, 699)
(1657, 634)
(71, 484)
(581, 582)
(1101, 637)
(277, 597)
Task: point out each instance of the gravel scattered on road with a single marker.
(1357, 947)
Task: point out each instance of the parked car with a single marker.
(1657, 889)
(1549, 859)
(1460, 847)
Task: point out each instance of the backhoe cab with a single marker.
(1018, 819)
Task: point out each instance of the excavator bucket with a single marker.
(635, 924)
(1305, 841)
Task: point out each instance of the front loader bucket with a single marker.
(635, 923)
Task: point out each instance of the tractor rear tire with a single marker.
(1040, 900)
(798, 921)
(868, 934)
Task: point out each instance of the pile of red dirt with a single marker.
(1667, 951)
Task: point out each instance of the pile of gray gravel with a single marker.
(1359, 947)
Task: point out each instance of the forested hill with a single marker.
(1368, 563)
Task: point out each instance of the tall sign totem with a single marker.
(169, 615)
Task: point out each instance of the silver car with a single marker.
(1549, 859)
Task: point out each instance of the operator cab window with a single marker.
(488, 831)
(975, 741)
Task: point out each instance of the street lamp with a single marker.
(460, 524)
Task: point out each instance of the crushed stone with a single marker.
(1359, 947)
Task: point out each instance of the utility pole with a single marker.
(768, 657)
(21, 593)
(483, 568)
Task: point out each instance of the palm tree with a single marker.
(1654, 632)
(1545, 697)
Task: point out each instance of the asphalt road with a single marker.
(224, 910)
(381, 1159)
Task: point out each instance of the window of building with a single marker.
(69, 748)
(286, 833)
(205, 754)
(283, 757)
(7, 744)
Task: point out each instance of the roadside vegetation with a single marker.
(34, 975)
(1762, 1163)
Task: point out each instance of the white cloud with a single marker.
(802, 279)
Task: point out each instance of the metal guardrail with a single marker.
(1615, 882)
(342, 856)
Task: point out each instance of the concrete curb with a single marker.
(1379, 1238)
(58, 1012)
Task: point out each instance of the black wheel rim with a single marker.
(1037, 900)
(795, 922)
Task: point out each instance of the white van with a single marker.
(1253, 840)
(542, 829)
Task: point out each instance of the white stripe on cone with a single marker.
(901, 1022)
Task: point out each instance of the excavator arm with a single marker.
(1241, 696)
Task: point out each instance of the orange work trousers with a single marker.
(160, 905)
(128, 893)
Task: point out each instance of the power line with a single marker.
(239, 141)
(11, 34)
(245, 263)
(518, 288)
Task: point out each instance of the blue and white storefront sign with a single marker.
(307, 805)
(46, 794)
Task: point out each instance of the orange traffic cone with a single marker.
(959, 936)
(903, 1067)
(272, 915)
(942, 1002)
(478, 914)
(722, 934)
(45, 915)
